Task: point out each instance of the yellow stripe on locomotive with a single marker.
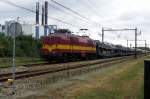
(67, 47)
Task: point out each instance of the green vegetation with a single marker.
(27, 50)
(26, 46)
(125, 83)
(7, 62)
(123, 80)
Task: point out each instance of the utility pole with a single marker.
(102, 35)
(145, 48)
(127, 43)
(14, 65)
(14, 29)
(135, 43)
(13, 26)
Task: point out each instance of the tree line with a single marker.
(26, 46)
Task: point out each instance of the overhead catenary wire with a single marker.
(62, 11)
(96, 24)
(33, 11)
(30, 10)
(75, 12)
(94, 9)
(68, 14)
(95, 12)
(68, 9)
(90, 7)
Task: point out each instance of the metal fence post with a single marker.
(147, 79)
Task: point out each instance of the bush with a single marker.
(26, 46)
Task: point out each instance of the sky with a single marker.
(116, 14)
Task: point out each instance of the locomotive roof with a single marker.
(69, 35)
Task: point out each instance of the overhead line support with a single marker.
(135, 53)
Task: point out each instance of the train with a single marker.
(63, 45)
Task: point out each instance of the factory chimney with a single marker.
(46, 18)
(37, 21)
(43, 9)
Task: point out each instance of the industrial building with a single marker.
(26, 28)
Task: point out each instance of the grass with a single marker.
(7, 62)
(124, 83)
(120, 81)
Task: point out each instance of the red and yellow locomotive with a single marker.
(68, 46)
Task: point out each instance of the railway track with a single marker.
(26, 65)
(58, 68)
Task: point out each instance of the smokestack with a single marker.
(46, 12)
(37, 12)
(43, 14)
(37, 20)
(46, 18)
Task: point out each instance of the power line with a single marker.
(69, 9)
(18, 6)
(30, 10)
(94, 10)
(88, 4)
(76, 17)
(88, 24)
(75, 12)
(62, 11)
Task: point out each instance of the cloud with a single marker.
(108, 13)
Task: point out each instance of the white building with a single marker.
(27, 29)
